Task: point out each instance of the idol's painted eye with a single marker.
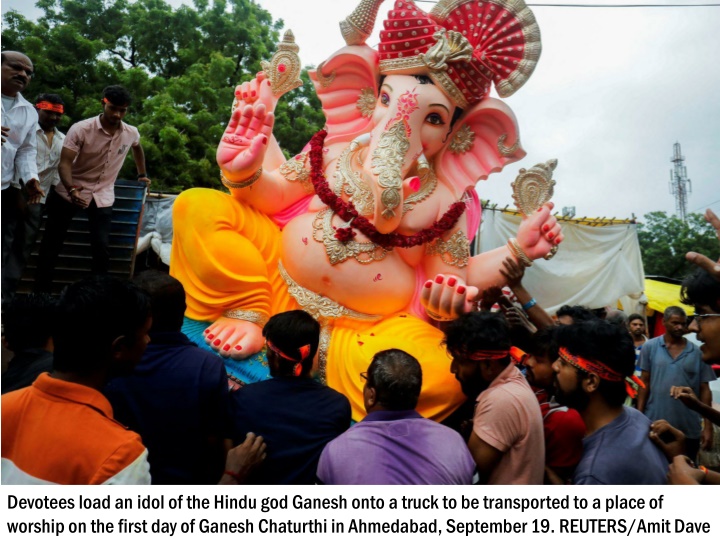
(435, 119)
(385, 99)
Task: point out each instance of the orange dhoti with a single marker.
(228, 256)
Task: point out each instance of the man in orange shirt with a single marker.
(61, 429)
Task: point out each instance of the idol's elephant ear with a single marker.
(347, 85)
(484, 140)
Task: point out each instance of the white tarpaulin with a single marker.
(594, 267)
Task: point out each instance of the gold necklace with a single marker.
(337, 251)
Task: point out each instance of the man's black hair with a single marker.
(91, 314)
(50, 98)
(288, 332)
(28, 321)
(396, 377)
(167, 298)
(701, 289)
(117, 95)
(606, 343)
(543, 343)
(576, 313)
(478, 331)
(634, 317)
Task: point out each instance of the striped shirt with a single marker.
(58, 432)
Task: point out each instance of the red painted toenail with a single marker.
(238, 347)
(216, 342)
(439, 279)
(226, 348)
(428, 284)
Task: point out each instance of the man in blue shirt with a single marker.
(177, 396)
(296, 415)
(595, 360)
(671, 360)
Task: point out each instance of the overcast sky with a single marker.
(613, 91)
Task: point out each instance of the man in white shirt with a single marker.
(50, 109)
(19, 121)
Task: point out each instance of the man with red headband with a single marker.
(507, 441)
(296, 415)
(93, 154)
(592, 375)
(50, 109)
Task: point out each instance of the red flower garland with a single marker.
(347, 211)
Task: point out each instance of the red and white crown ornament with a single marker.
(463, 45)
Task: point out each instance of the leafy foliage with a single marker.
(181, 65)
(664, 240)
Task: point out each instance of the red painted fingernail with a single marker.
(428, 284)
(238, 93)
(226, 348)
(207, 330)
(461, 289)
(268, 82)
(551, 236)
(452, 281)
(415, 183)
(546, 228)
(253, 93)
(238, 347)
(557, 240)
(211, 336)
(439, 279)
(216, 342)
(244, 94)
(265, 139)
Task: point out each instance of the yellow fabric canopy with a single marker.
(663, 295)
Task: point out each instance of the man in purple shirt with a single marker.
(93, 153)
(393, 442)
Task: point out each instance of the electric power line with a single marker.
(602, 5)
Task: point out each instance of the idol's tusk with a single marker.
(359, 141)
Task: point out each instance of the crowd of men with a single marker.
(104, 388)
(44, 170)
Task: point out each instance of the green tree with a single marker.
(181, 65)
(664, 240)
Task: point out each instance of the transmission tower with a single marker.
(680, 184)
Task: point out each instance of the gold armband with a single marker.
(519, 254)
(243, 184)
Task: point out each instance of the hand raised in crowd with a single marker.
(683, 472)
(490, 297)
(516, 317)
(244, 458)
(34, 191)
(667, 438)
(5, 133)
(513, 272)
(712, 267)
(686, 395)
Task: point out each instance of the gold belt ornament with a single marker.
(320, 307)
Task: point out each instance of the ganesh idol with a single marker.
(368, 228)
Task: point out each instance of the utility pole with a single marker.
(680, 184)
